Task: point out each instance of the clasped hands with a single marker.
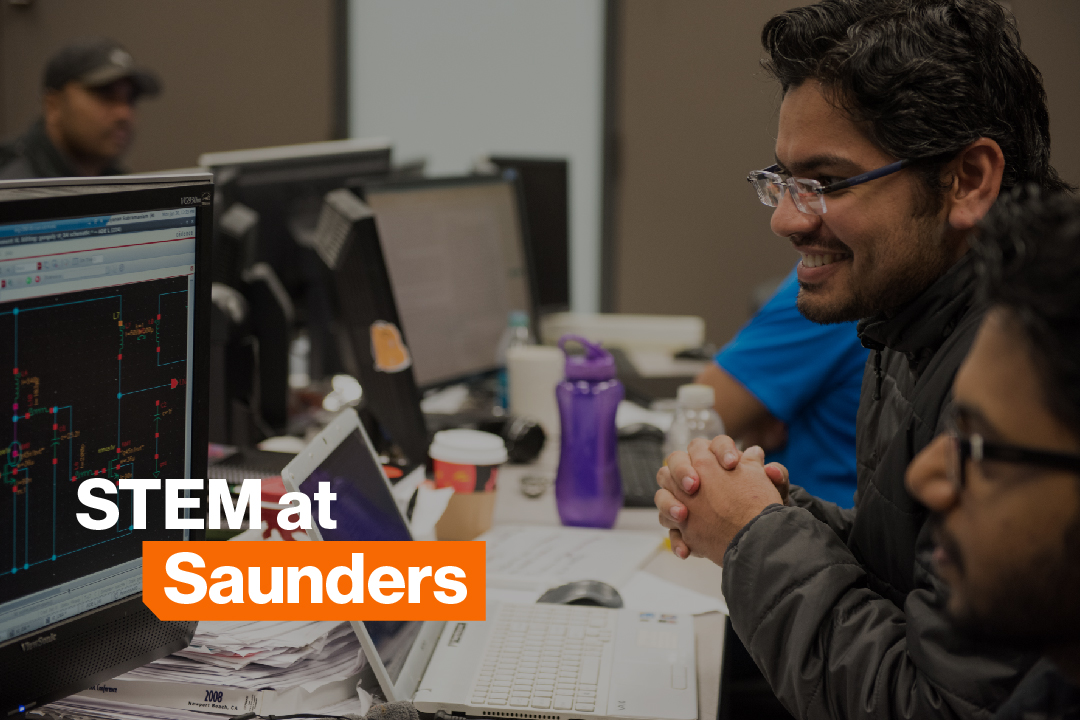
(711, 491)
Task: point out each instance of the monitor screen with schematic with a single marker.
(104, 306)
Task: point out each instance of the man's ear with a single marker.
(976, 181)
(51, 104)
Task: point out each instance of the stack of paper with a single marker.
(238, 667)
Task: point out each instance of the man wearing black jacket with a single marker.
(1004, 481)
(901, 122)
(88, 114)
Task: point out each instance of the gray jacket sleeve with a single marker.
(830, 647)
(836, 517)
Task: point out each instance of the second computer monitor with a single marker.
(545, 184)
(454, 249)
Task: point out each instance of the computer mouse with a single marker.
(583, 592)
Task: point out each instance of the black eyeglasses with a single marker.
(973, 447)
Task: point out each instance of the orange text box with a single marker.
(315, 580)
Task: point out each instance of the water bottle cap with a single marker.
(518, 318)
(696, 396)
(596, 365)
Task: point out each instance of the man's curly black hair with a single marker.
(1028, 260)
(927, 77)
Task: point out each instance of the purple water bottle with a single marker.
(588, 489)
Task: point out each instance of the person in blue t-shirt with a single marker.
(792, 386)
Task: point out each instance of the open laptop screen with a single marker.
(364, 508)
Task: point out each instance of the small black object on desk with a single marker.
(583, 592)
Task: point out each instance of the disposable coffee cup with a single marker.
(467, 461)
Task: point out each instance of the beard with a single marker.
(1031, 607)
(927, 257)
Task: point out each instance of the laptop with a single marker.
(542, 662)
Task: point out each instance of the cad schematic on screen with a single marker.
(96, 342)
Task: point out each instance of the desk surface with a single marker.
(512, 507)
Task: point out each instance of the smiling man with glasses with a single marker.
(1004, 481)
(900, 123)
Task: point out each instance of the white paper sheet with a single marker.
(646, 591)
(537, 557)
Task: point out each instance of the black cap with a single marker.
(95, 63)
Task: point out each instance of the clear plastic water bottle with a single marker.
(695, 417)
(588, 488)
(516, 333)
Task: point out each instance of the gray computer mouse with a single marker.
(583, 592)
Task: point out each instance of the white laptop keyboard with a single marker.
(545, 657)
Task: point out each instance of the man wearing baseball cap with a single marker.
(88, 114)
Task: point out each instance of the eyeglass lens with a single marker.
(804, 192)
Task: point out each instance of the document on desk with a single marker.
(238, 667)
(538, 557)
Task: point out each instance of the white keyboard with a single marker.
(546, 657)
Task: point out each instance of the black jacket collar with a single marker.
(920, 327)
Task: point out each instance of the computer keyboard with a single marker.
(640, 457)
(546, 657)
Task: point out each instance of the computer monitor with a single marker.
(285, 186)
(375, 348)
(545, 186)
(454, 249)
(104, 313)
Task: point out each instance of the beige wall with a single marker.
(1050, 32)
(696, 113)
(236, 74)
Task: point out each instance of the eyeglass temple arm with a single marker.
(867, 176)
(1012, 453)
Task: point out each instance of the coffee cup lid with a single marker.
(468, 447)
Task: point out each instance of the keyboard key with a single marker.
(584, 707)
(563, 702)
(678, 677)
(519, 700)
(541, 703)
(590, 670)
(496, 701)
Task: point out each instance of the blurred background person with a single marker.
(88, 114)
(1002, 482)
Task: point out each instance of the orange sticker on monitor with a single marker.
(388, 348)
(315, 581)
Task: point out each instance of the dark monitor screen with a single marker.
(103, 301)
(546, 188)
(455, 254)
